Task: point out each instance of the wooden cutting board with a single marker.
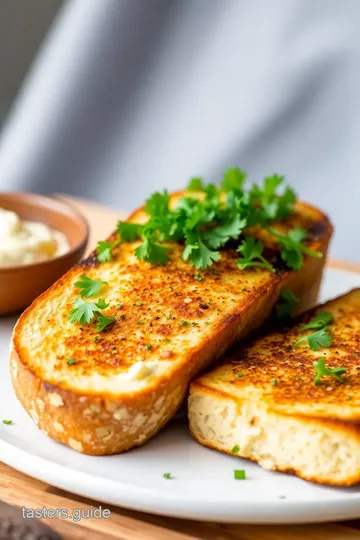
(21, 490)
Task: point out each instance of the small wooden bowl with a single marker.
(20, 285)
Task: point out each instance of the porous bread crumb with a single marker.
(55, 400)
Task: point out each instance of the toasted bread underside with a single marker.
(165, 316)
(262, 402)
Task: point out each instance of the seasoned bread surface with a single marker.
(128, 381)
(263, 400)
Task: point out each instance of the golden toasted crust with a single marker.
(164, 316)
(270, 385)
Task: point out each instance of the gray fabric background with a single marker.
(129, 96)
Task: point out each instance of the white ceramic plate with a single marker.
(203, 486)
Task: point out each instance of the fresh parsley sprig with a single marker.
(206, 221)
(286, 304)
(320, 338)
(129, 232)
(292, 247)
(104, 250)
(103, 322)
(320, 320)
(152, 252)
(251, 255)
(84, 312)
(323, 371)
(89, 287)
(195, 184)
(233, 180)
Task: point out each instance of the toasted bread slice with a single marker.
(128, 381)
(262, 403)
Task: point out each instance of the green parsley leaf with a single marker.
(152, 253)
(251, 251)
(267, 203)
(82, 312)
(235, 449)
(195, 184)
(318, 339)
(7, 422)
(239, 474)
(184, 323)
(322, 371)
(219, 236)
(70, 361)
(103, 322)
(129, 232)
(102, 304)
(157, 205)
(292, 249)
(286, 304)
(233, 179)
(320, 320)
(148, 347)
(103, 250)
(271, 183)
(274, 205)
(167, 476)
(197, 253)
(89, 287)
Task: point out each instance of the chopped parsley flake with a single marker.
(184, 323)
(239, 474)
(235, 449)
(167, 476)
(70, 361)
(7, 422)
(148, 347)
(274, 382)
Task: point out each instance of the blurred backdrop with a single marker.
(121, 97)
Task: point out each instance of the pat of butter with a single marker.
(24, 242)
(139, 370)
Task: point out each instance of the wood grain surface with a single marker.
(20, 490)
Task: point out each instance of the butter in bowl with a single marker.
(40, 239)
